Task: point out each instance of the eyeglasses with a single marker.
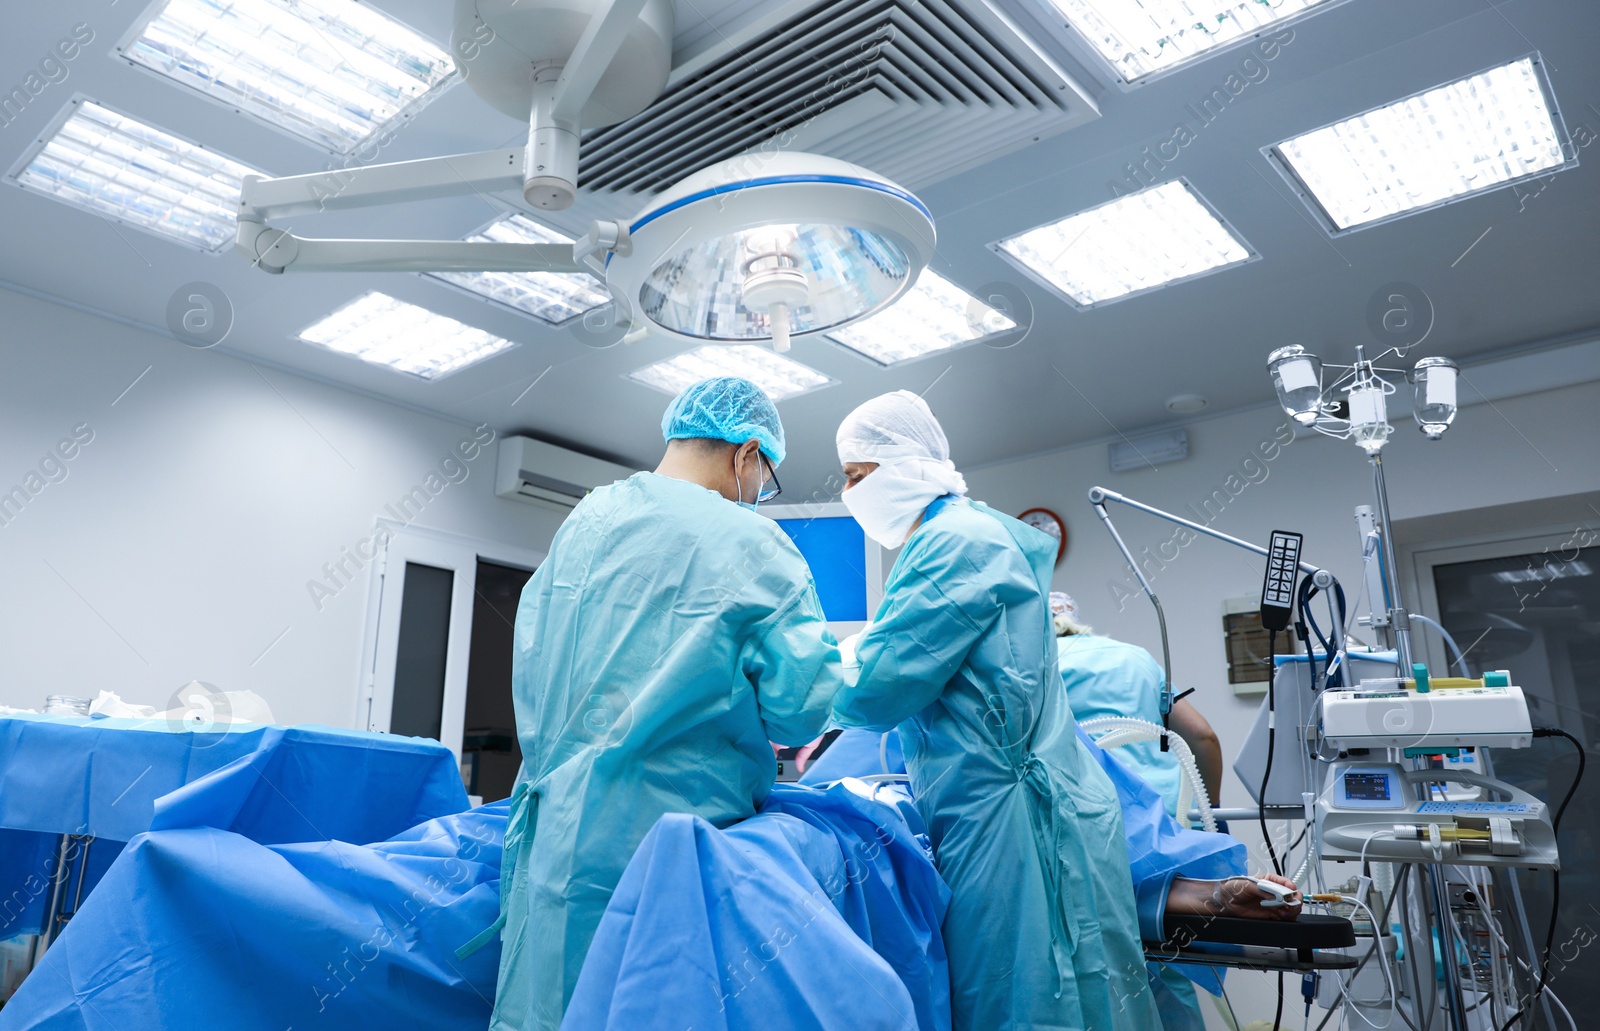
(772, 477)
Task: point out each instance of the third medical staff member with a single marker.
(670, 634)
(1041, 931)
(1107, 677)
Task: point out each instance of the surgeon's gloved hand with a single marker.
(849, 664)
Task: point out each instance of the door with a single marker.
(1531, 605)
(418, 657)
(491, 747)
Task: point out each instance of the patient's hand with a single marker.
(1235, 896)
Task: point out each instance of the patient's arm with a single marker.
(1196, 732)
(1235, 896)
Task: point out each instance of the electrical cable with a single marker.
(1306, 626)
(1383, 958)
(1277, 1018)
(1499, 935)
(1266, 773)
(1555, 875)
(1411, 955)
(1399, 890)
(1336, 613)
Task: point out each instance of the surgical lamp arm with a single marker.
(486, 171)
(278, 251)
(556, 109)
(1098, 496)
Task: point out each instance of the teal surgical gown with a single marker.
(1105, 677)
(669, 635)
(1041, 932)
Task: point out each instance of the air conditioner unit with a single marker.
(544, 474)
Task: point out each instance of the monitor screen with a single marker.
(835, 549)
(1372, 787)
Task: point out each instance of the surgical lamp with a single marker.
(1362, 416)
(805, 245)
(761, 246)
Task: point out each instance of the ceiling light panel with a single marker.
(333, 72)
(777, 376)
(549, 296)
(1143, 38)
(932, 316)
(1442, 145)
(130, 172)
(379, 329)
(1143, 241)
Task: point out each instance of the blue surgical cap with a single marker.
(726, 408)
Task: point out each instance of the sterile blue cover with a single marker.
(1159, 849)
(823, 909)
(113, 778)
(200, 928)
(104, 777)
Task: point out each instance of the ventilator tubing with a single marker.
(1125, 730)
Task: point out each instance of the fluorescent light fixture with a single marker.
(932, 316)
(130, 172)
(1463, 138)
(1161, 235)
(550, 296)
(1548, 571)
(1143, 38)
(778, 376)
(334, 72)
(379, 329)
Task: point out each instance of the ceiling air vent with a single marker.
(916, 90)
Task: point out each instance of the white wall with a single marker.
(1517, 450)
(180, 542)
(1520, 449)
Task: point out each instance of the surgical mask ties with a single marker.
(738, 485)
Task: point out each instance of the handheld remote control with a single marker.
(1277, 591)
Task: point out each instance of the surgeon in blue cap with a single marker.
(668, 638)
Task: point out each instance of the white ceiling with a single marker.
(1532, 276)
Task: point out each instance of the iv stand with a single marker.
(1399, 621)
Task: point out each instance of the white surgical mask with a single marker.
(886, 502)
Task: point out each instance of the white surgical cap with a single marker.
(899, 430)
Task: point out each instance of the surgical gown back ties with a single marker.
(1041, 932)
(1105, 677)
(669, 635)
